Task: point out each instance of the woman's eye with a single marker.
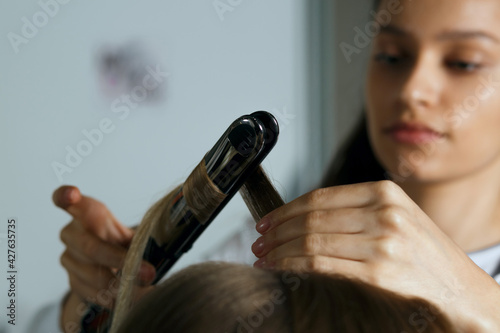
(387, 58)
(464, 66)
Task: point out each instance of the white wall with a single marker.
(218, 70)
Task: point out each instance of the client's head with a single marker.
(224, 297)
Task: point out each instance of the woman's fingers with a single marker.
(322, 264)
(91, 248)
(88, 294)
(98, 284)
(355, 247)
(99, 275)
(340, 221)
(364, 223)
(85, 248)
(331, 198)
(92, 214)
(96, 248)
(320, 199)
(95, 245)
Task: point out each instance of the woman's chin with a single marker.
(424, 173)
(414, 168)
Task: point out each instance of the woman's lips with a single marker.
(413, 133)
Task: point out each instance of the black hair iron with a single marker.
(229, 163)
(232, 160)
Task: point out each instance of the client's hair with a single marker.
(224, 297)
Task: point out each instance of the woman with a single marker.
(432, 111)
(223, 297)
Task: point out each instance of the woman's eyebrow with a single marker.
(393, 30)
(467, 34)
(447, 35)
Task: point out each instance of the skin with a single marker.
(398, 236)
(96, 245)
(394, 234)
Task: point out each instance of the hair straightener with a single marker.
(231, 161)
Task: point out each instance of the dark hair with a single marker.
(355, 161)
(224, 297)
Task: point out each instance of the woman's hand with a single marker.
(375, 232)
(96, 246)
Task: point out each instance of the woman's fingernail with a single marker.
(258, 246)
(264, 263)
(147, 272)
(263, 225)
(260, 263)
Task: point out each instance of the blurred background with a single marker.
(124, 98)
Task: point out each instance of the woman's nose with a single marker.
(423, 84)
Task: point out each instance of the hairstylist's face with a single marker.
(433, 89)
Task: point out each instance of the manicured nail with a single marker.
(258, 246)
(263, 225)
(264, 263)
(261, 263)
(147, 272)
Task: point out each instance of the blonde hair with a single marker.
(225, 297)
